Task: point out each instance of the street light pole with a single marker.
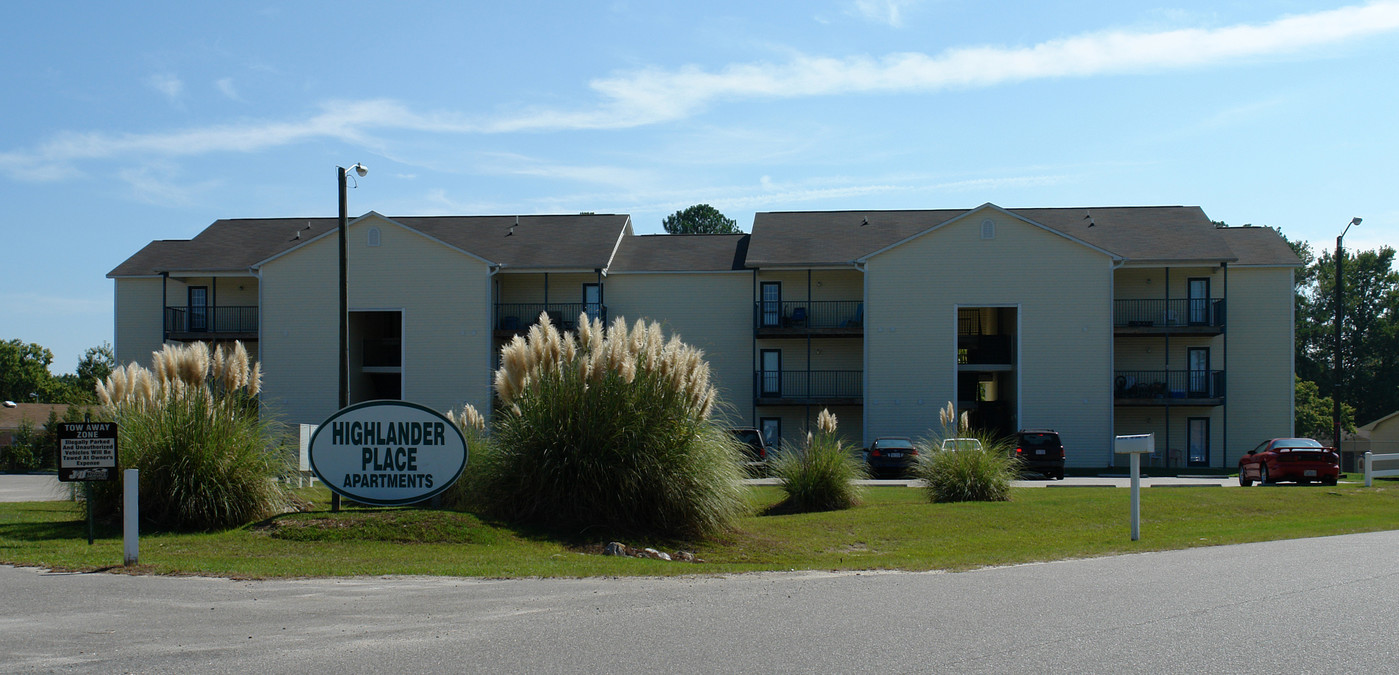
(341, 173)
(1336, 361)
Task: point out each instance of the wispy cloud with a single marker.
(225, 87)
(882, 11)
(656, 95)
(166, 84)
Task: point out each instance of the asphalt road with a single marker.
(1311, 605)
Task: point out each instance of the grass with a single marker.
(894, 528)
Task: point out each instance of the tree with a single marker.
(1369, 332)
(24, 371)
(97, 363)
(700, 219)
(1313, 412)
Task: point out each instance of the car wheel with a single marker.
(1263, 475)
(1328, 481)
(1244, 482)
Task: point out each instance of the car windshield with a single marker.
(1296, 443)
(961, 444)
(1037, 439)
(749, 437)
(893, 442)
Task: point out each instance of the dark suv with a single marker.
(758, 451)
(1041, 451)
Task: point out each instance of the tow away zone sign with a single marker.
(87, 451)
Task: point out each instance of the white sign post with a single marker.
(387, 452)
(1135, 446)
(131, 516)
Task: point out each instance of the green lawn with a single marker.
(895, 528)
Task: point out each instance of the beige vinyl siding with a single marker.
(1170, 430)
(1151, 283)
(139, 324)
(1260, 380)
(798, 420)
(825, 354)
(530, 287)
(710, 311)
(444, 300)
(1064, 328)
(1151, 352)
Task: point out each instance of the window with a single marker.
(988, 229)
(198, 309)
(772, 430)
(1199, 372)
(592, 301)
(1200, 301)
(1199, 438)
(772, 303)
(373, 236)
(771, 380)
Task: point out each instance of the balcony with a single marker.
(514, 318)
(191, 324)
(809, 387)
(1168, 388)
(1168, 317)
(803, 318)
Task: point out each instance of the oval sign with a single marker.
(387, 452)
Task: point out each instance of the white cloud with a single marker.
(166, 84)
(225, 87)
(655, 95)
(882, 11)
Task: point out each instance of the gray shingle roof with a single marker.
(1136, 233)
(1259, 246)
(546, 242)
(681, 253)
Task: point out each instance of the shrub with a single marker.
(191, 427)
(608, 428)
(22, 454)
(820, 477)
(463, 493)
(982, 475)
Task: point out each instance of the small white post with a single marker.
(130, 516)
(1369, 466)
(1135, 445)
(1136, 496)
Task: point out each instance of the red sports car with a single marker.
(1296, 459)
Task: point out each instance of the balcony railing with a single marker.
(1169, 387)
(809, 386)
(1163, 314)
(214, 321)
(808, 314)
(985, 350)
(519, 316)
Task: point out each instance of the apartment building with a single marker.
(1090, 321)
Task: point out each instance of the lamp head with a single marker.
(360, 169)
(1353, 221)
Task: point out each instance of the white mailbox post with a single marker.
(1136, 446)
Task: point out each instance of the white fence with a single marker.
(1370, 472)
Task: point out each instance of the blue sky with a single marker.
(127, 122)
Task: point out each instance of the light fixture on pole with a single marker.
(1336, 361)
(341, 174)
(344, 398)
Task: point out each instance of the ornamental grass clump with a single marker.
(981, 474)
(609, 429)
(478, 449)
(190, 425)
(820, 477)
